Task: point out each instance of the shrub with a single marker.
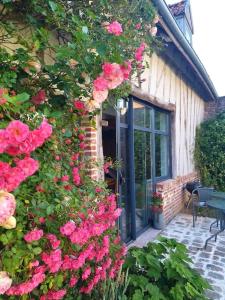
(210, 152)
(162, 271)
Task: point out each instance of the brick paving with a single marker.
(210, 263)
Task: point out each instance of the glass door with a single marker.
(123, 173)
(142, 116)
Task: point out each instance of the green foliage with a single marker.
(162, 271)
(210, 152)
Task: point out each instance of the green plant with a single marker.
(116, 290)
(162, 271)
(157, 202)
(209, 152)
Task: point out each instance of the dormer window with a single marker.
(182, 14)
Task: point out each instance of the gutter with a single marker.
(185, 47)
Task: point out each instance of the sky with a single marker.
(209, 38)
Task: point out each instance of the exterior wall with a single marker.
(167, 89)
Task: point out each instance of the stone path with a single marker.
(210, 263)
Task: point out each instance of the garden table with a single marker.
(217, 202)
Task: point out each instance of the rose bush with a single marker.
(70, 59)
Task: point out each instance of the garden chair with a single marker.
(200, 196)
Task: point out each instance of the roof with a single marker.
(168, 22)
(177, 8)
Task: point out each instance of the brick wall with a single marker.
(213, 108)
(174, 194)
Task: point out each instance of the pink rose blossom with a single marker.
(68, 228)
(33, 235)
(113, 74)
(54, 295)
(53, 260)
(126, 69)
(7, 206)
(39, 98)
(86, 273)
(28, 165)
(138, 26)
(115, 28)
(100, 96)
(79, 105)
(65, 178)
(17, 132)
(5, 282)
(139, 52)
(73, 281)
(3, 140)
(100, 84)
(26, 287)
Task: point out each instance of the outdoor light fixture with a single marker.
(122, 105)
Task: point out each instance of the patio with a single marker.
(210, 262)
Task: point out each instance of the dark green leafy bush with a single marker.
(162, 271)
(210, 152)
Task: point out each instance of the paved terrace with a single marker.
(210, 263)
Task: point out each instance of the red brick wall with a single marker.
(173, 193)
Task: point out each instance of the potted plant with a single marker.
(157, 211)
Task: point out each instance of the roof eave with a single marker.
(185, 48)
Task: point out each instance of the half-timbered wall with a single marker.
(166, 87)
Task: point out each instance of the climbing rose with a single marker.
(5, 282)
(113, 74)
(79, 105)
(68, 228)
(100, 96)
(28, 165)
(39, 98)
(54, 295)
(17, 132)
(100, 84)
(7, 206)
(115, 28)
(126, 69)
(139, 52)
(33, 235)
(3, 140)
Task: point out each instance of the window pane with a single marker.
(161, 121)
(142, 115)
(161, 155)
(143, 183)
(125, 218)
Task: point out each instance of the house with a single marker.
(153, 132)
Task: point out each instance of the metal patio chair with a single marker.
(200, 196)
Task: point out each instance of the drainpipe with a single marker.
(186, 47)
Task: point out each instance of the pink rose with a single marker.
(5, 282)
(17, 132)
(113, 74)
(68, 228)
(39, 97)
(28, 165)
(33, 235)
(100, 84)
(100, 96)
(7, 206)
(115, 28)
(79, 105)
(3, 140)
